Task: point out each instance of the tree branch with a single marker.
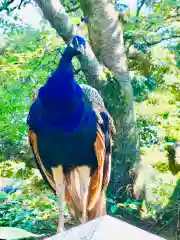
(102, 24)
(55, 13)
(5, 5)
(20, 4)
(149, 44)
(140, 7)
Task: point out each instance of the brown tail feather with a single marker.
(106, 171)
(98, 182)
(95, 187)
(99, 208)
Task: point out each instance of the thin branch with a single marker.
(4, 5)
(77, 71)
(149, 44)
(21, 3)
(9, 2)
(139, 8)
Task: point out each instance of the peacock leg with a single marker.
(84, 176)
(60, 191)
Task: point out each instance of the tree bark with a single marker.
(55, 13)
(106, 38)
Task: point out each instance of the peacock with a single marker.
(70, 133)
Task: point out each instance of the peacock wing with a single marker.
(32, 137)
(101, 176)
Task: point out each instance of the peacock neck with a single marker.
(61, 81)
(66, 59)
(61, 96)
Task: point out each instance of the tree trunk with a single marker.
(106, 38)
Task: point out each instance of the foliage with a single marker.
(30, 212)
(33, 207)
(142, 87)
(15, 169)
(161, 167)
(129, 206)
(147, 131)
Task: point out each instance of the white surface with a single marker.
(105, 228)
(14, 233)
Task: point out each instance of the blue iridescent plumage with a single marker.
(62, 117)
(60, 103)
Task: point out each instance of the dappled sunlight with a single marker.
(154, 178)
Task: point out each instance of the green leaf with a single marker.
(3, 196)
(114, 209)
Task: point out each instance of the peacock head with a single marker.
(77, 45)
